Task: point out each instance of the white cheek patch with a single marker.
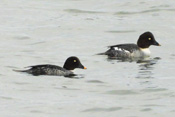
(122, 50)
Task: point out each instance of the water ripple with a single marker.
(80, 11)
(152, 105)
(22, 37)
(154, 90)
(6, 98)
(141, 12)
(94, 81)
(103, 109)
(121, 31)
(122, 92)
(146, 109)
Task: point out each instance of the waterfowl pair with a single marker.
(141, 49)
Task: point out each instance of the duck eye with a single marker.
(149, 38)
(75, 60)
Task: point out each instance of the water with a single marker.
(49, 31)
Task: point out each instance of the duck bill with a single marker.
(82, 67)
(156, 43)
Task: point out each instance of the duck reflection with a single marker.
(146, 67)
(75, 76)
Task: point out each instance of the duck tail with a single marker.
(101, 53)
(20, 70)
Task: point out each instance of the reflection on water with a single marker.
(121, 59)
(113, 59)
(75, 76)
(146, 67)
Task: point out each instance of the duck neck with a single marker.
(67, 67)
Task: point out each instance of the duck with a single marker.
(46, 69)
(131, 50)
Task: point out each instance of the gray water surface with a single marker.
(49, 31)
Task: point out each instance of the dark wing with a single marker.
(129, 47)
(47, 70)
(46, 66)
